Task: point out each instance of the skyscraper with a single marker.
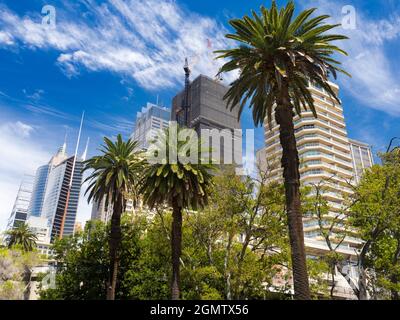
(40, 182)
(362, 157)
(207, 106)
(150, 119)
(19, 213)
(59, 207)
(326, 155)
(207, 109)
(100, 211)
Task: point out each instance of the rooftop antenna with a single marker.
(71, 179)
(157, 101)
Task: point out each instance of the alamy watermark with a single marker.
(49, 281)
(49, 18)
(349, 18)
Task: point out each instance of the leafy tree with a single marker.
(114, 172)
(278, 56)
(21, 235)
(376, 215)
(332, 226)
(83, 262)
(181, 185)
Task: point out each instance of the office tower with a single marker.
(362, 157)
(150, 119)
(104, 214)
(40, 226)
(99, 211)
(206, 109)
(19, 212)
(40, 182)
(325, 154)
(61, 203)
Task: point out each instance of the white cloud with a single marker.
(20, 155)
(374, 81)
(5, 38)
(146, 40)
(18, 129)
(36, 95)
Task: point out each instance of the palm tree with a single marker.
(181, 186)
(22, 235)
(277, 57)
(114, 172)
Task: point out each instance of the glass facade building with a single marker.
(148, 121)
(39, 191)
(55, 207)
(362, 157)
(19, 212)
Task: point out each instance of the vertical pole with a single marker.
(186, 98)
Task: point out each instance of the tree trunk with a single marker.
(227, 272)
(176, 249)
(27, 280)
(362, 278)
(290, 164)
(362, 284)
(333, 285)
(114, 244)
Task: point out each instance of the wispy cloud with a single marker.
(49, 111)
(18, 129)
(146, 40)
(113, 125)
(35, 95)
(20, 155)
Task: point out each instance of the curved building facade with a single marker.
(39, 191)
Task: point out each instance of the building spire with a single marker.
(84, 154)
(64, 146)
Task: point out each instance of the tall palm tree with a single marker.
(181, 186)
(22, 235)
(114, 172)
(277, 57)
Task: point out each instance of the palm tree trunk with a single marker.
(114, 243)
(290, 164)
(176, 249)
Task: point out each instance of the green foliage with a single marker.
(173, 180)
(114, 172)
(376, 214)
(146, 254)
(23, 236)
(83, 262)
(274, 47)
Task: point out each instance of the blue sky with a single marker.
(110, 57)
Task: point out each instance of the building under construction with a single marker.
(201, 106)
